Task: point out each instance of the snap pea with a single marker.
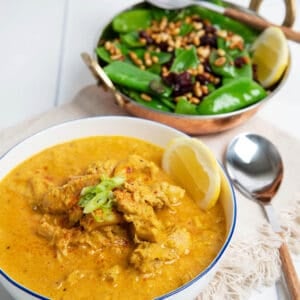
(249, 34)
(154, 103)
(245, 70)
(159, 13)
(163, 57)
(185, 29)
(185, 107)
(231, 70)
(155, 68)
(105, 55)
(131, 39)
(132, 20)
(227, 69)
(173, 76)
(128, 75)
(185, 59)
(235, 95)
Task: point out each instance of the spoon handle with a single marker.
(289, 272)
(287, 265)
(259, 23)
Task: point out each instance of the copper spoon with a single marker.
(249, 19)
(255, 166)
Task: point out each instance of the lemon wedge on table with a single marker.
(194, 167)
(271, 55)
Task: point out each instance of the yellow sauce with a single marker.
(32, 261)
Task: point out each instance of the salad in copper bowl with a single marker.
(193, 69)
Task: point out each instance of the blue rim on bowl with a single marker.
(143, 126)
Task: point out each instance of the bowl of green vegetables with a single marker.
(193, 69)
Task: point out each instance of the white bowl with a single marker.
(150, 131)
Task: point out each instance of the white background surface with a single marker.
(40, 64)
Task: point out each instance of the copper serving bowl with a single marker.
(192, 124)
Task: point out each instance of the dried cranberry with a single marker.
(210, 29)
(202, 79)
(207, 67)
(169, 79)
(208, 40)
(163, 46)
(240, 61)
(144, 35)
(179, 90)
(181, 83)
(184, 78)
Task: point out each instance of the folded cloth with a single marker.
(252, 261)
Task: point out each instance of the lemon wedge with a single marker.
(192, 165)
(271, 55)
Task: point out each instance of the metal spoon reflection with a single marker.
(255, 166)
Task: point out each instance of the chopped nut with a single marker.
(147, 59)
(157, 39)
(143, 41)
(236, 42)
(139, 62)
(221, 52)
(147, 55)
(146, 97)
(194, 100)
(204, 89)
(172, 25)
(171, 42)
(164, 36)
(148, 62)
(222, 33)
(188, 20)
(193, 72)
(164, 71)
(117, 57)
(135, 59)
(197, 89)
(188, 95)
(198, 25)
(200, 33)
(203, 51)
(175, 31)
(220, 61)
(108, 45)
(196, 41)
(155, 59)
(132, 55)
(200, 69)
(216, 80)
(163, 23)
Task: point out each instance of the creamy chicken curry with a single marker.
(97, 218)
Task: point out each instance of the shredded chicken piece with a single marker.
(136, 168)
(149, 257)
(134, 213)
(100, 168)
(65, 239)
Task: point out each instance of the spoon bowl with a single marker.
(256, 169)
(255, 166)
